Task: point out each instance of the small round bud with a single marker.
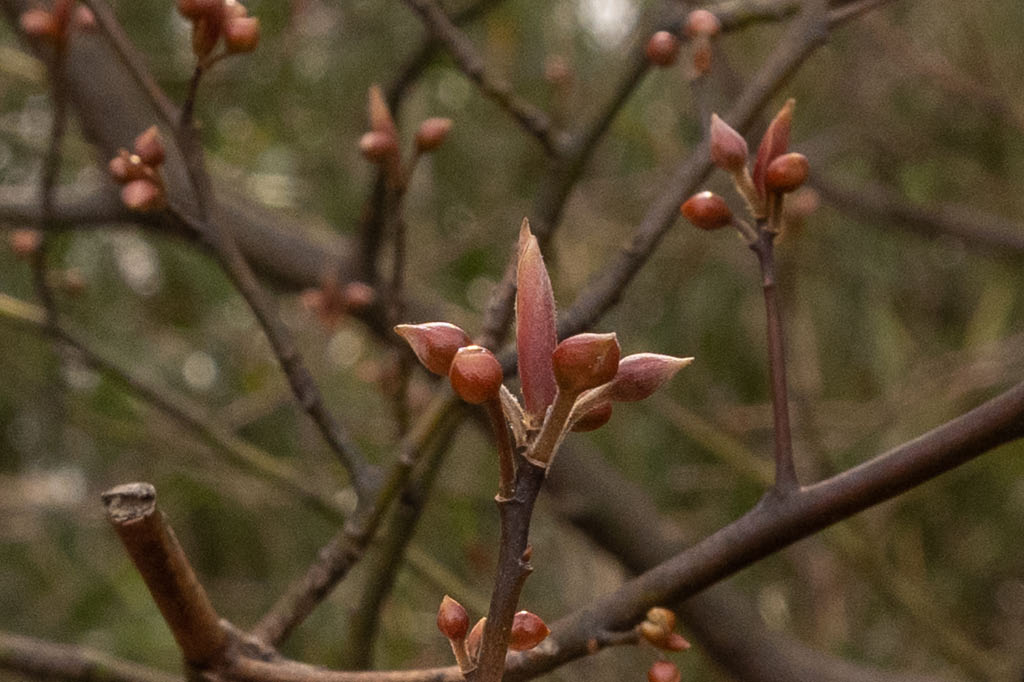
(585, 361)
(728, 148)
(452, 619)
(84, 18)
(233, 10)
(24, 242)
(642, 374)
(663, 671)
(434, 343)
(786, 173)
(707, 210)
(593, 419)
(149, 148)
(701, 22)
(242, 34)
(38, 23)
(528, 630)
(377, 146)
(432, 133)
(142, 195)
(475, 374)
(662, 49)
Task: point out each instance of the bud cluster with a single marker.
(138, 172)
(213, 20)
(54, 25)
(528, 630)
(380, 144)
(658, 628)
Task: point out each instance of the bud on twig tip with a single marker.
(452, 619)
(475, 374)
(707, 210)
(585, 361)
(432, 133)
(663, 671)
(434, 343)
(528, 630)
(786, 173)
(642, 374)
(728, 148)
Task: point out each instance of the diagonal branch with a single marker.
(37, 657)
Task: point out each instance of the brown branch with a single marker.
(246, 669)
(51, 661)
(72, 206)
(154, 549)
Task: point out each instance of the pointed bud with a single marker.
(676, 642)
(642, 374)
(593, 419)
(707, 210)
(535, 326)
(774, 143)
(528, 630)
(149, 148)
(434, 343)
(38, 23)
(585, 361)
(662, 617)
(379, 113)
(475, 374)
(377, 146)
(786, 173)
(663, 671)
(142, 195)
(452, 619)
(432, 133)
(476, 636)
(728, 148)
(701, 22)
(662, 49)
(242, 34)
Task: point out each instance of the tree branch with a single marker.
(37, 657)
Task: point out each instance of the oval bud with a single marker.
(662, 49)
(476, 636)
(707, 210)
(475, 374)
(432, 133)
(242, 34)
(663, 671)
(38, 23)
(701, 22)
(233, 9)
(149, 148)
(774, 143)
(434, 343)
(452, 619)
(786, 173)
(84, 19)
(379, 112)
(585, 361)
(377, 146)
(528, 630)
(142, 195)
(593, 419)
(728, 148)
(642, 374)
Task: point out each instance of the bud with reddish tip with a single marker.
(774, 143)
(149, 148)
(360, 295)
(663, 671)
(585, 361)
(535, 326)
(707, 210)
(786, 173)
(142, 195)
(377, 146)
(432, 133)
(701, 22)
(452, 619)
(642, 374)
(528, 630)
(728, 148)
(475, 637)
(242, 34)
(434, 343)
(662, 49)
(475, 374)
(593, 418)
(38, 23)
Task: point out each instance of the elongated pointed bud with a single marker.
(149, 147)
(379, 113)
(774, 143)
(642, 374)
(585, 361)
(535, 326)
(476, 636)
(242, 34)
(475, 374)
(786, 173)
(663, 671)
(452, 619)
(728, 148)
(528, 630)
(707, 210)
(432, 133)
(593, 419)
(434, 343)
(662, 49)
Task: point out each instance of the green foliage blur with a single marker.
(890, 333)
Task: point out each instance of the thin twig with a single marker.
(47, 660)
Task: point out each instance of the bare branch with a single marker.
(31, 656)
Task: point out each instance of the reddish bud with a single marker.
(593, 419)
(234, 10)
(24, 242)
(728, 148)
(359, 295)
(774, 143)
(528, 630)
(701, 22)
(663, 671)
(707, 210)
(84, 18)
(194, 9)
(38, 23)
(434, 343)
(535, 326)
(475, 374)
(242, 34)
(206, 31)
(786, 173)
(149, 148)
(585, 361)
(476, 636)
(377, 146)
(642, 374)
(379, 113)
(452, 619)
(142, 195)
(662, 617)
(676, 642)
(662, 49)
(432, 133)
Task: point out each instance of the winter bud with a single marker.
(377, 146)
(701, 22)
(38, 23)
(242, 34)
(84, 18)
(434, 343)
(707, 210)
(475, 374)
(195, 9)
(206, 31)
(24, 242)
(585, 361)
(786, 173)
(663, 671)
(774, 143)
(380, 113)
(234, 10)
(142, 195)
(676, 642)
(432, 133)
(528, 630)
(452, 619)
(593, 419)
(535, 326)
(642, 374)
(662, 49)
(662, 617)
(476, 636)
(728, 148)
(359, 295)
(149, 148)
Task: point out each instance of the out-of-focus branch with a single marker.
(73, 207)
(37, 657)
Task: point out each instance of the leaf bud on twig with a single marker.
(585, 361)
(786, 173)
(432, 133)
(149, 147)
(38, 23)
(528, 630)
(774, 143)
(434, 343)
(642, 374)
(707, 210)
(663, 671)
(662, 49)
(241, 34)
(452, 619)
(728, 148)
(377, 146)
(701, 22)
(535, 326)
(24, 242)
(142, 195)
(476, 636)
(475, 374)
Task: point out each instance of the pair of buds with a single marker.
(701, 26)
(528, 630)
(380, 144)
(215, 19)
(54, 25)
(658, 628)
(138, 172)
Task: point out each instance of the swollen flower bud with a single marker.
(642, 374)
(662, 49)
(701, 22)
(774, 143)
(594, 418)
(242, 34)
(676, 642)
(434, 343)
(126, 167)
(452, 619)
(707, 210)
(585, 361)
(475, 374)
(786, 173)
(149, 148)
(728, 148)
(432, 133)
(663, 671)
(528, 630)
